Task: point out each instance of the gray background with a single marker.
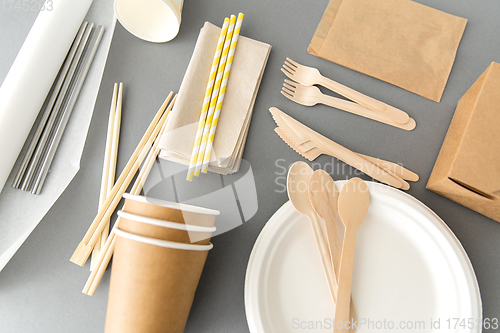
(40, 288)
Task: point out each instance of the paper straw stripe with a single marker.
(215, 121)
(215, 94)
(206, 101)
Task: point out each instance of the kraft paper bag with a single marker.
(468, 165)
(398, 41)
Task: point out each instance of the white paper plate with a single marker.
(409, 270)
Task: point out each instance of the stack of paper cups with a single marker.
(160, 251)
(156, 21)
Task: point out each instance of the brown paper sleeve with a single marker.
(152, 288)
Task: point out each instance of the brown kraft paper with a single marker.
(152, 288)
(468, 165)
(398, 41)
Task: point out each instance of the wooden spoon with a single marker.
(323, 194)
(298, 189)
(354, 200)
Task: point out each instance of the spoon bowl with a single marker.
(354, 200)
(297, 187)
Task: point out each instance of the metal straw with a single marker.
(68, 109)
(56, 113)
(48, 107)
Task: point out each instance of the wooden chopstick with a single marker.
(83, 250)
(114, 156)
(108, 248)
(106, 166)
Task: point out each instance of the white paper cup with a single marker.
(167, 230)
(155, 21)
(163, 243)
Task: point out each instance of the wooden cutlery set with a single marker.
(302, 91)
(315, 195)
(311, 144)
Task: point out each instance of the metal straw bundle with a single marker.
(57, 109)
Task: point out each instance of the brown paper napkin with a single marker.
(246, 73)
(398, 41)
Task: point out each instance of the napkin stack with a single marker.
(246, 73)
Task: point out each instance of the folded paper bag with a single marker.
(246, 73)
(398, 41)
(467, 168)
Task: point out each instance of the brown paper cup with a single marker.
(166, 230)
(152, 287)
(152, 284)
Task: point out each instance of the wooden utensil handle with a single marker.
(359, 163)
(364, 112)
(325, 255)
(353, 95)
(393, 167)
(391, 112)
(342, 309)
(336, 253)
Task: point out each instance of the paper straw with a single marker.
(206, 101)
(222, 93)
(215, 94)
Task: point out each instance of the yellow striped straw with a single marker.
(215, 94)
(206, 101)
(220, 99)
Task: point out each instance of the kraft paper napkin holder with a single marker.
(398, 41)
(467, 168)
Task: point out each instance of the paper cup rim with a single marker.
(172, 205)
(148, 36)
(163, 243)
(165, 224)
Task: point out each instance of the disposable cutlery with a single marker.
(354, 200)
(311, 144)
(310, 95)
(309, 76)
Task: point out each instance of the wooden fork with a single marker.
(310, 95)
(310, 76)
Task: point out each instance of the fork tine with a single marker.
(292, 62)
(288, 74)
(292, 83)
(288, 91)
(289, 87)
(289, 67)
(290, 97)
